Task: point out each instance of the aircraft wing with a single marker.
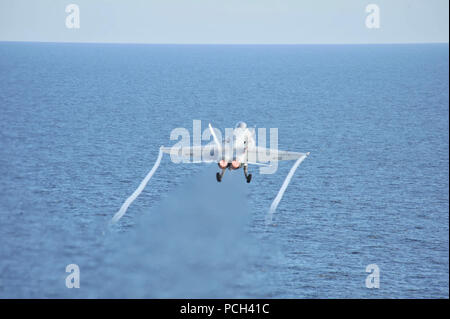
(263, 155)
(205, 154)
(192, 154)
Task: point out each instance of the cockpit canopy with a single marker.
(241, 125)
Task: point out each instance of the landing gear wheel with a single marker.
(249, 178)
(218, 177)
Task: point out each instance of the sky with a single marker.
(225, 21)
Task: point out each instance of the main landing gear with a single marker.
(219, 175)
(248, 177)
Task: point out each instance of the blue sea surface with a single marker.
(81, 125)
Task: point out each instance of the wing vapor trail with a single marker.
(216, 140)
(280, 194)
(138, 190)
(147, 178)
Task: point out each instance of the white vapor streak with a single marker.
(279, 196)
(138, 190)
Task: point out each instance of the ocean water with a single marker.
(81, 124)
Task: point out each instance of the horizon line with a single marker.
(220, 43)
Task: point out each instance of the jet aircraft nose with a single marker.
(241, 125)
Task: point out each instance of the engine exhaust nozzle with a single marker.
(223, 164)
